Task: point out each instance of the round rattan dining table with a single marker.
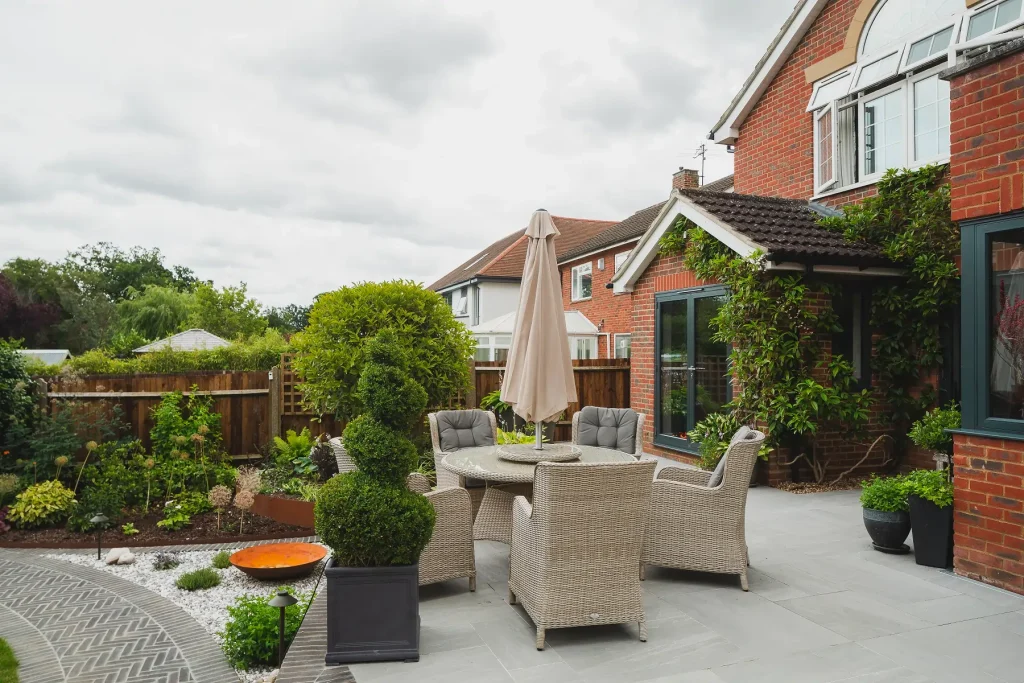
(494, 518)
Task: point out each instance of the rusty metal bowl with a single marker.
(278, 560)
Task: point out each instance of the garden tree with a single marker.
(369, 517)
(287, 319)
(226, 312)
(103, 268)
(36, 280)
(331, 350)
(22, 318)
(89, 320)
(155, 311)
(17, 401)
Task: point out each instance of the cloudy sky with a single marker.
(302, 146)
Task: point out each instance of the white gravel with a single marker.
(208, 607)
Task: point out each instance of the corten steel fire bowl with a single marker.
(278, 560)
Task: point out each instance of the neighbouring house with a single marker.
(486, 286)
(587, 270)
(494, 337)
(47, 356)
(189, 340)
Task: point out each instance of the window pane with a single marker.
(482, 353)
(1006, 375)
(879, 70)
(620, 259)
(931, 45)
(931, 119)
(883, 133)
(711, 372)
(832, 90)
(672, 372)
(585, 283)
(501, 354)
(1007, 12)
(503, 341)
(824, 151)
(982, 23)
(623, 346)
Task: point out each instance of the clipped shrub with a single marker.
(930, 431)
(368, 517)
(43, 504)
(198, 580)
(250, 635)
(932, 485)
(221, 560)
(885, 494)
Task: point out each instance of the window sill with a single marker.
(989, 434)
(574, 301)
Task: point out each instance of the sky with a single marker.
(303, 146)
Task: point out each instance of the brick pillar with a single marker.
(685, 178)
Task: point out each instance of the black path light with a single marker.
(99, 521)
(283, 600)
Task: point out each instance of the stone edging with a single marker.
(228, 545)
(203, 655)
(37, 659)
(305, 659)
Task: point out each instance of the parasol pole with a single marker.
(538, 428)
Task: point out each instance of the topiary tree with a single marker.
(368, 517)
(332, 350)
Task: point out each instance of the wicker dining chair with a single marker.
(618, 428)
(345, 462)
(451, 430)
(575, 550)
(449, 554)
(697, 519)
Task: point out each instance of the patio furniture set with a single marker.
(580, 532)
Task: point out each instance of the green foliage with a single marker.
(509, 437)
(17, 399)
(930, 431)
(910, 220)
(332, 350)
(8, 663)
(493, 402)
(293, 451)
(154, 312)
(227, 312)
(250, 637)
(712, 434)
(8, 486)
(776, 356)
(165, 561)
(369, 517)
(179, 511)
(129, 529)
(198, 580)
(106, 497)
(932, 485)
(221, 560)
(123, 344)
(42, 504)
(887, 494)
(288, 319)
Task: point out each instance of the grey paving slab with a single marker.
(954, 608)
(855, 615)
(836, 663)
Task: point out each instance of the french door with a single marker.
(691, 370)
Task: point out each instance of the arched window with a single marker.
(894, 20)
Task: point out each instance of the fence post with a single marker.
(276, 376)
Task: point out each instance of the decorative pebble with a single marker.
(208, 607)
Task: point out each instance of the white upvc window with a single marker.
(929, 120)
(883, 131)
(623, 345)
(461, 305)
(930, 45)
(995, 16)
(582, 348)
(582, 282)
(492, 347)
(877, 70)
(620, 258)
(824, 148)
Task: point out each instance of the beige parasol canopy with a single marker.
(538, 374)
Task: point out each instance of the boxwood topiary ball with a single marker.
(370, 525)
(380, 451)
(390, 396)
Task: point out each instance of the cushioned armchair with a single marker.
(621, 429)
(574, 551)
(449, 555)
(451, 430)
(697, 519)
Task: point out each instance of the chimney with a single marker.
(685, 178)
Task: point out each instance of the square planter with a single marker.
(933, 532)
(373, 614)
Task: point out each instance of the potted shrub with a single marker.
(885, 513)
(930, 497)
(375, 526)
(932, 432)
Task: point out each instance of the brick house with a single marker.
(587, 270)
(845, 91)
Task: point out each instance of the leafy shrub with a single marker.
(712, 434)
(323, 459)
(293, 451)
(198, 580)
(174, 519)
(930, 431)
(932, 485)
(887, 494)
(332, 348)
(221, 560)
(165, 561)
(175, 424)
(129, 529)
(250, 637)
(493, 402)
(106, 498)
(369, 517)
(17, 402)
(8, 485)
(179, 511)
(42, 504)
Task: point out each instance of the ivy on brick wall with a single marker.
(775, 324)
(910, 220)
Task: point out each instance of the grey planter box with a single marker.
(373, 614)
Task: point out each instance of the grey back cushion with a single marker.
(742, 434)
(463, 429)
(608, 428)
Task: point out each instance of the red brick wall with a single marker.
(612, 313)
(775, 150)
(988, 525)
(987, 139)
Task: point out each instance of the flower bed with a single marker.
(208, 607)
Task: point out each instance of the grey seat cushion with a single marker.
(463, 429)
(742, 434)
(608, 428)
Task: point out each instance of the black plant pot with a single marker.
(373, 614)
(888, 530)
(933, 532)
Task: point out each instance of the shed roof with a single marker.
(189, 340)
(48, 356)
